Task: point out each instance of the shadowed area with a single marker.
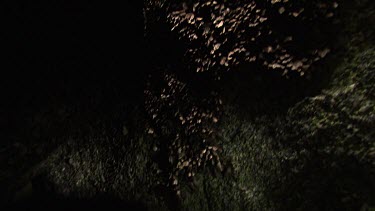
(188, 105)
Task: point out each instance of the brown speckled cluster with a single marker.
(220, 35)
(185, 124)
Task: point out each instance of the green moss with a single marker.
(336, 128)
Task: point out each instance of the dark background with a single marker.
(66, 52)
(67, 65)
(72, 42)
